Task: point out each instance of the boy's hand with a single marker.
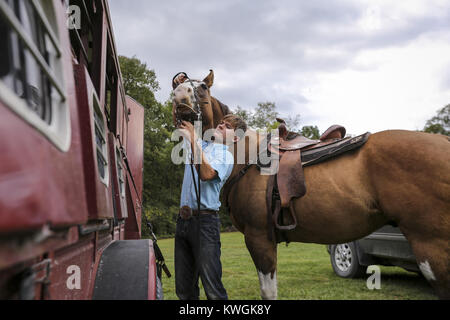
(187, 130)
(179, 79)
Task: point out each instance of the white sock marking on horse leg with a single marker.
(426, 271)
(268, 285)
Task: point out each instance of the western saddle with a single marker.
(295, 152)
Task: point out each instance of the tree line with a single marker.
(162, 179)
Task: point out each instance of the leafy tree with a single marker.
(311, 132)
(264, 116)
(440, 123)
(243, 114)
(136, 76)
(292, 122)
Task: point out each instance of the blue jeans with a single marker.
(197, 254)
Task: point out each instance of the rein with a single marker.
(197, 115)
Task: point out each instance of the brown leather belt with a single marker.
(186, 212)
(196, 212)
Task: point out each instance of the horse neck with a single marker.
(219, 110)
(244, 144)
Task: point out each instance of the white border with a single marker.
(58, 132)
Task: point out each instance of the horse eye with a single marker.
(204, 86)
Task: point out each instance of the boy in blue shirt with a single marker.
(197, 238)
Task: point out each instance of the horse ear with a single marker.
(209, 80)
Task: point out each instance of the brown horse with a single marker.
(399, 177)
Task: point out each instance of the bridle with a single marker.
(196, 111)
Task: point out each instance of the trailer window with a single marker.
(100, 142)
(120, 174)
(110, 90)
(5, 54)
(31, 79)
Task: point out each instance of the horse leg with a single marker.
(433, 259)
(264, 255)
(430, 244)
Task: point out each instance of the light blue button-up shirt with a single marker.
(222, 161)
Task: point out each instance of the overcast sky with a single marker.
(365, 64)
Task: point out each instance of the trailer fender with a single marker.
(126, 271)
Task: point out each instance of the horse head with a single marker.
(192, 100)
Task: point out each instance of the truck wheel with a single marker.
(344, 260)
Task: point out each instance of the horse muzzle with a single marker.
(184, 112)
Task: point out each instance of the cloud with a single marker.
(324, 60)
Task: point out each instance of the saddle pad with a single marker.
(320, 154)
(290, 178)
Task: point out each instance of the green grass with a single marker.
(304, 272)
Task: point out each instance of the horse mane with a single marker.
(224, 107)
(219, 110)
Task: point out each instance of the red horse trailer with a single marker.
(71, 159)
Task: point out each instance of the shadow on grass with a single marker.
(408, 280)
